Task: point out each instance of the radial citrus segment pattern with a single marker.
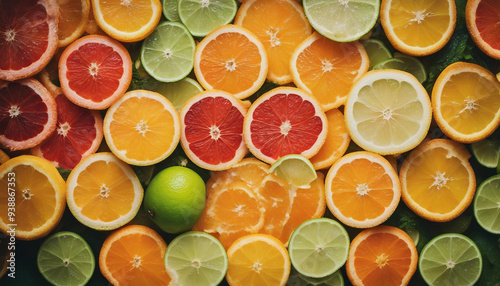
(482, 21)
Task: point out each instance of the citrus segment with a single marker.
(276, 198)
(481, 17)
(294, 169)
(170, 10)
(202, 17)
(74, 15)
(487, 204)
(377, 51)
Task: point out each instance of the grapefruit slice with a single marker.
(29, 36)
(78, 134)
(28, 114)
(285, 120)
(482, 21)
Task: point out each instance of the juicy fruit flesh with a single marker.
(487, 22)
(125, 17)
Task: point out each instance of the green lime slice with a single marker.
(405, 63)
(196, 258)
(487, 204)
(340, 20)
(486, 152)
(65, 258)
(178, 92)
(203, 16)
(294, 169)
(377, 51)
(318, 247)
(297, 279)
(450, 259)
(170, 10)
(168, 53)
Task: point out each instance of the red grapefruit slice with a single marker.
(95, 71)
(28, 36)
(79, 134)
(285, 120)
(27, 114)
(483, 22)
(212, 129)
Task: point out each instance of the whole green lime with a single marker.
(175, 199)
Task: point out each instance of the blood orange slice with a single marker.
(27, 114)
(482, 21)
(212, 130)
(285, 120)
(28, 36)
(95, 71)
(78, 134)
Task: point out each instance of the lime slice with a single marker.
(486, 152)
(404, 63)
(487, 204)
(65, 258)
(196, 258)
(178, 92)
(170, 10)
(203, 16)
(294, 169)
(340, 20)
(450, 259)
(168, 53)
(377, 51)
(318, 247)
(297, 279)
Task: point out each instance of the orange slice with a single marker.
(74, 15)
(481, 17)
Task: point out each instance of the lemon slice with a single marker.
(294, 169)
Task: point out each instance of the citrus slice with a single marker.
(258, 259)
(134, 255)
(127, 21)
(212, 130)
(294, 169)
(388, 112)
(170, 10)
(179, 92)
(281, 26)
(405, 63)
(167, 53)
(103, 192)
(3, 157)
(284, 120)
(481, 17)
(362, 181)
(65, 258)
(450, 259)
(418, 28)
(39, 192)
(465, 102)
(232, 59)
(487, 152)
(74, 16)
(28, 114)
(196, 258)
(78, 134)
(95, 71)
(342, 21)
(487, 204)
(142, 128)
(29, 37)
(328, 69)
(377, 51)
(383, 255)
(437, 180)
(202, 17)
(318, 247)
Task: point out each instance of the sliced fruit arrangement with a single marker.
(486, 204)
(482, 21)
(202, 17)
(74, 16)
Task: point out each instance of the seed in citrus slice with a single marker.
(377, 51)
(481, 17)
(281, 26)
(127, 21)
(74, 15)
(318, 247)
(134, 255)
(78, 134)
(167, 53)
(405, 63)
(450, 259)
(29, 37)
(328, 69)
(383, 255)
(178, 92)
(232, 59)
(28, 114)
(258, 259)
(142, 128)
(388, 112)
(420, 27)
(487, 204)
(465, 102)
(170, 10)
(212, 129)
(103, 192)
(285, 120)
(65, 258)
(95, 71)
(294, 169)
(202, 17)
(437, 180)
(196, 258)
(486, 152)
(39, 192)
(362, 189)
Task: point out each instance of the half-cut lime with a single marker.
(178, 92)
(294, 169)
(203, 16)
(486, 152)
(404, 63)
(487, 204)
(377, 51)
(170, 10)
